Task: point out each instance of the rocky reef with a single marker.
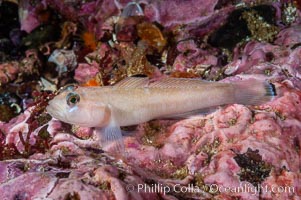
(234, 152)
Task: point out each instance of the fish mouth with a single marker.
(58, 112)
(55, 111)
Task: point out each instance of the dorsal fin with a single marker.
(132, 82)
(136, 82)
(177, 83)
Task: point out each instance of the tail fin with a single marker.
(254, 92)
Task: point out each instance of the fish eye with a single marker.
(72, 98)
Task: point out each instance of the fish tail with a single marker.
(254, 92)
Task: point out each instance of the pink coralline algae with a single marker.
(167, 12)
(190, 56)
(28, 16)
(232, 152)
(212, 147)
(289, 36)
(8, 72)
(85, 72)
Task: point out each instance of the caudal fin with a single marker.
(254, 92)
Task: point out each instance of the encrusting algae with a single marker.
(105, 130)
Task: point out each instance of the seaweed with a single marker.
(9, 151)
(253, 168)
(37, 119)
(7, 113)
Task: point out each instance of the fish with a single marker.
(136, 100)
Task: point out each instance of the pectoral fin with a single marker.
(111, 138)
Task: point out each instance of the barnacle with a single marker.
(68, 30)
(132, 9)
(125, 26)
(64, 59)
(289, 13)
(152, 35)
(89, 40)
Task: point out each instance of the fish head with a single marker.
(73, 105)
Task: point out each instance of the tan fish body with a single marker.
(136, 100)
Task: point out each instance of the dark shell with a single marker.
(236, 28)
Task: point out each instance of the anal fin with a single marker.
(185, 115)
